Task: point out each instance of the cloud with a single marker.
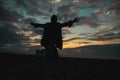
(16, 15)
(115, 8)
(99, 12)
(28, 7)
(107, 30)
(12, 40)
(7, 15)
(89, 21)
(68, 11)
(89, 3)
(107, 34)
(65, 31)
(27, 20)
(74, 38)
(9, 35)
(55, 1)
(71, 10)
(39, 8)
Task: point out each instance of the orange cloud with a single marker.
(75, 42)
(78, 43)
(35, 37)
(35, 44)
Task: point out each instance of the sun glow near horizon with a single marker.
(76, 43)
(81, 44)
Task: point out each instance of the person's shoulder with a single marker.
(47, 23)
(58, 23)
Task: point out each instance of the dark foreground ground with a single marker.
(24, 67)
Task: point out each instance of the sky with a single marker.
(99, 23)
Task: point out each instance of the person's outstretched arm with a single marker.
(69, 23)
(37, 25)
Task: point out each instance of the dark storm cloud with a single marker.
(8, 31)
(7, 15)
(29, 6)
(8, 34)
(16, 15)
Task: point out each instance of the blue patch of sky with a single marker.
(41, 20)
(82, 30)
(112, 17)
(107, 17)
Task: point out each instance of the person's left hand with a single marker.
(71, 23)
(76, 19)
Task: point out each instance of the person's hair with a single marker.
(53, 18)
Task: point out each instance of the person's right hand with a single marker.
(70, 23)
(77, 19)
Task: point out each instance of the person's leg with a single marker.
(52, 51)
(55, 51)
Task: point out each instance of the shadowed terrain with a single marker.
(30, 67)
(111, 51)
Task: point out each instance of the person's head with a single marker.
(53, 19)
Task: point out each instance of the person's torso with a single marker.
(52, 31)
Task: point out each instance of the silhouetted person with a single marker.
(52, 36)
